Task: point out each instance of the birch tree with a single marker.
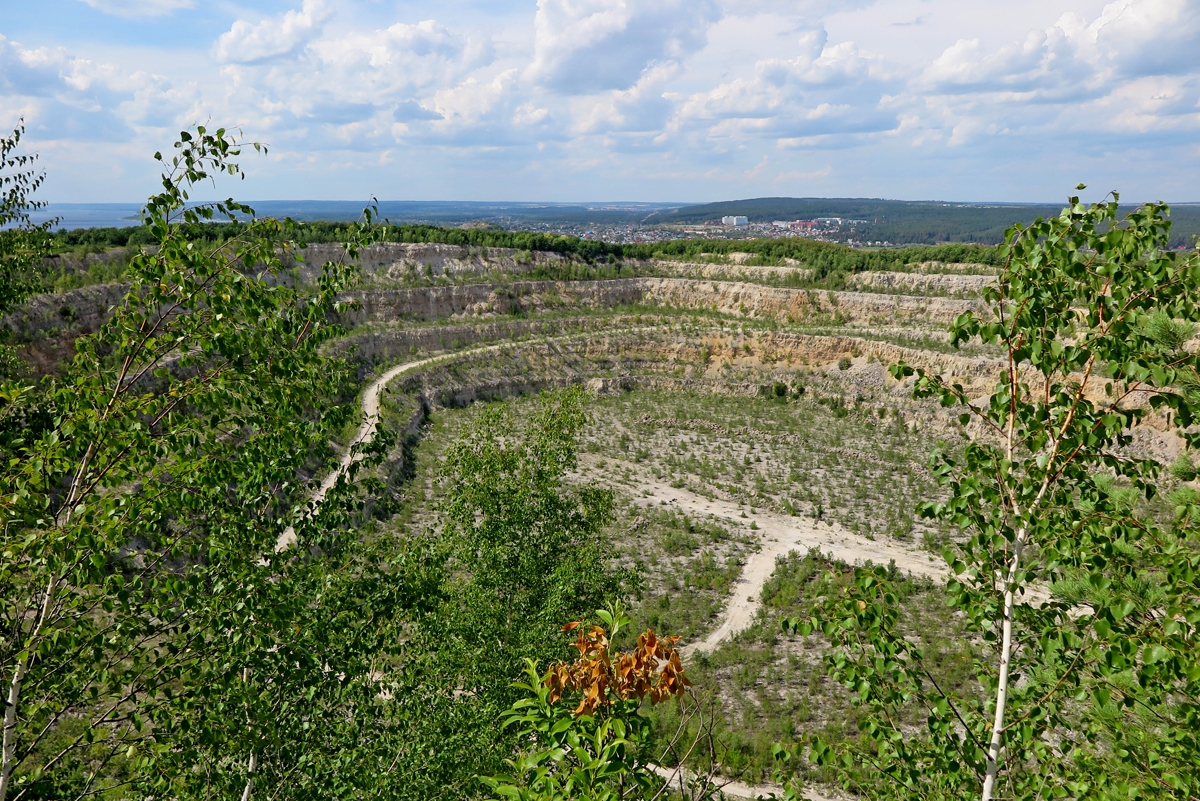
(1082, 582)
(153, 639)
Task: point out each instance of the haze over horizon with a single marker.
(621, 101)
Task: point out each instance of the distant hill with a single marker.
(449, 212)
(904, 221)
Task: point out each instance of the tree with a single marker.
(1082, 583)
(153, 634)
(527, 552)
(22, 244)
(533, 552)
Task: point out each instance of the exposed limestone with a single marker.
(733, 298)
(45, 327)
(399, 261)
(922, 282)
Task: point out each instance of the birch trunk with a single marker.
(249, 778)
(997, 741)
(8, 756)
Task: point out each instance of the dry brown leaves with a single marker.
(653, 670)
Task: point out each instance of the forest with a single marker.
(905, 222)
(826, 258)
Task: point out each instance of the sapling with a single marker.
(1089, 603)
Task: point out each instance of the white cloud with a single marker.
(691, 91)
(644, 107)
(401, 59)
(1128, 72)
(246, 43)
(824, 89)
(488, 114)
(134, 9)
(363, 89)
(1150, 37)
(585, 46)
(66, 97)
(1072, 58)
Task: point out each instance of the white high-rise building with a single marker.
(735, 221)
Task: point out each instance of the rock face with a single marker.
(391, 345)
(962, 267)
(732, 272)
(922, 282)
(738, 299)
(80, 263)
(780, 303)
(431, 303)
(45, 327)
(398, 261)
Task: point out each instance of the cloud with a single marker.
(1129, 73)
(585, 46)
(644, 107)
(1073, 58)
(600, 91)
(489, 114)
(1047, 62)
(1150, 37)
(135, 9)
(64, 96)
(823, 89)
(362, 89)
(403, 58)
(246, 43)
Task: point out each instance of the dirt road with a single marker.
(366, 432)
(778, 534)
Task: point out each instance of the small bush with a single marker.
(1182, 468)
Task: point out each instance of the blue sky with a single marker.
(673, 100)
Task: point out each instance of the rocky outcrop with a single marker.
(922, 282)
(45, 327)
(369, 349)
(731, 272)
(733, 298)
(947, 267)
(785, 304)
(71, 263)
(404, 261)
(519, 297)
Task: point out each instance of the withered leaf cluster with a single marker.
(652, 670)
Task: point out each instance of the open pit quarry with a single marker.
(744, 417)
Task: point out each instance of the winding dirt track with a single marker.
(779, 535)
(366, 431)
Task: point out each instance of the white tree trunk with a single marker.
(997, 741)
(8, 748)
(249, 778)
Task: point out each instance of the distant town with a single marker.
(822, 229)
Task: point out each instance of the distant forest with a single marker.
(824, 257)
(452, 212)
(906, 222)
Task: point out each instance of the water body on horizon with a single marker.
(104, 215)
(89, 215)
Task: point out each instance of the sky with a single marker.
(609, 100)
